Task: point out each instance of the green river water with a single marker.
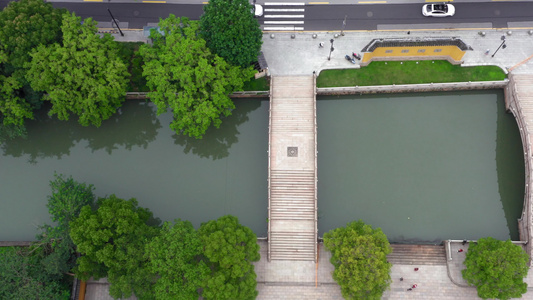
(423, 167)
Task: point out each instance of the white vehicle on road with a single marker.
(258, 10)
(438, 10)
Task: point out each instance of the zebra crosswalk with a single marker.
(279, 16)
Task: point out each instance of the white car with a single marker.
(258, 10)
(438, 10)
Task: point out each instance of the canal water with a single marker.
(423, 167)
(136, 155)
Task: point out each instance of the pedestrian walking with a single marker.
(321, 45)
(414, 286)
(401, 278)
(416, 269)
(460, 250)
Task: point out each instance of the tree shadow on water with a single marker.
(216, 142)
(134, 125)
(510, 167)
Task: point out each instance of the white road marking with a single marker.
(284, 3)
(283, 16)
(285, 10)
(284, 22)
(282, 28)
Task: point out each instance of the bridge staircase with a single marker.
(292, 210)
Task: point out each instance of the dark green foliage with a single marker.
(176, 257)
(24, 25)
(83, 74)
(187, 78)
(64, 205)
(132, 59)
(112, 240)
(229, 249)
(359, 254)
(231, 31)
(67, 199)
(496, 268)
(22, 277)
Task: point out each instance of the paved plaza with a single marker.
(300, 54)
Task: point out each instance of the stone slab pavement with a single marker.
(302, 55)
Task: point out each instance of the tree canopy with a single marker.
(112, 240)
(231, 31)
(83, 74)
(230, 248)
(64, 205)
(359, 254)
(496, 268)
(22, 277)
(187, 78)
(175, 256)
(24, 25)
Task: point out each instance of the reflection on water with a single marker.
(423, 167)
(510, 168)
(136, 155)
(216, 142)
(49, 137)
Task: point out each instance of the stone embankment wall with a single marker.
(414, 88)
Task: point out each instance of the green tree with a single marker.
(112, 240)
(22, 277)
(175, 258)
(231, 31)
(496, 268)
(229, 250)
(359, 254)
(83, 75)
(187, 78)
(64, 205)
(24, 25)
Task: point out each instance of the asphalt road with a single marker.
(368, 17)
(322, 17)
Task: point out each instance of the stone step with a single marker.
(277, 214)
(407, 254)
(279, 233)
(292, 181)
(297, 206)
(278, 217)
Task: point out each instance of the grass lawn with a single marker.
(410, 72)
(260, 84)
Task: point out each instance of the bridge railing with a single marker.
(269, 164)
(316, 167)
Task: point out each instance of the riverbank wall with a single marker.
(414, 88)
